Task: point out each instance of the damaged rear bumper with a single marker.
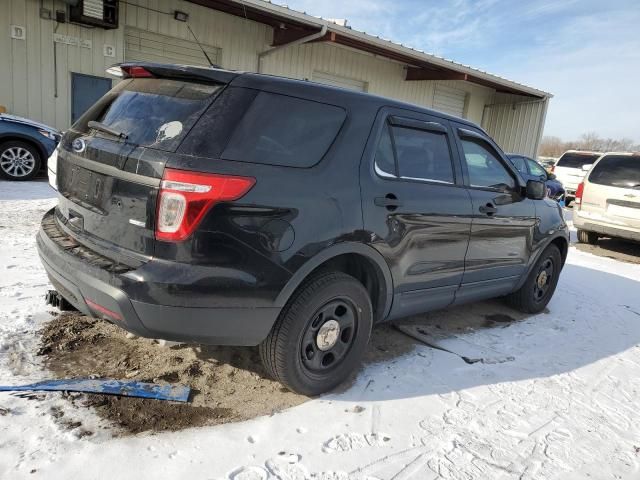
(97, 288)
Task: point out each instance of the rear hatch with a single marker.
(612, 191)
(111, 161)
(568, 168)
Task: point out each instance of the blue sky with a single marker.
(585, 52)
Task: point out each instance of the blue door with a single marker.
(85, 91)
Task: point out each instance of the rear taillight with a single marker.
(185, 197)
(579, 193)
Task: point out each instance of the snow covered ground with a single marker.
(565, 406)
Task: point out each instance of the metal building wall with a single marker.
(516, 122)
(382, 76)
(27, 85)
(27, 80)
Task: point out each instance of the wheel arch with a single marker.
(17, 137)
(356, 259)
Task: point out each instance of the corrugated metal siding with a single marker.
(515, 123)
(339, 81)
(28, 86)
(239, 39)
(144, 46)
(449, 100)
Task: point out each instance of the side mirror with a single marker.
(536, 190)
(552, 176)
(586, 168)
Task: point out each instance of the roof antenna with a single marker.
(211, 64)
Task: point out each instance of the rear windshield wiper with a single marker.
(101, 127)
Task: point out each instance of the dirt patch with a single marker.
(228, 383)
(613, 248)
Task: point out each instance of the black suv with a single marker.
(203, 205)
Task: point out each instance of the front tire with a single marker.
(321, 334)
(19, 160)
(541, 283)
(587, 237)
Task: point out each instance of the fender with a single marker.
(334, 251)
(541, 247)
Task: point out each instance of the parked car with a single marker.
(569, 170)
(25, 146)
(203, 205)
(608, 201)
(548, 163)
(532, 170)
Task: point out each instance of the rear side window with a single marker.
(617, 171)
(576, 160)
(418, 154)
(282, 130)
(152, 112)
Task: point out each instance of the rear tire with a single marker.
(19, 160)
(587, 237)
(541, 283)
(321, 334)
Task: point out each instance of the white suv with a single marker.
(570, 172)
(608, 201)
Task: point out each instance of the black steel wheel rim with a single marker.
(543, 279)
(319, 352)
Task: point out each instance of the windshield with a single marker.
(617, 171)
(577, 160)
(154, 113)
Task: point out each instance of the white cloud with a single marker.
(587, 53)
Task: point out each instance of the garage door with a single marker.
(449, 100)
(144, 46)
(337, 81)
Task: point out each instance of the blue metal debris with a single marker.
(132, 388)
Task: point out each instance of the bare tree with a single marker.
(555, 146)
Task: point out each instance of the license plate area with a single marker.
(84, 187)
(626, 210)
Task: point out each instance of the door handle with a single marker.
(390, 201)
(489, 209)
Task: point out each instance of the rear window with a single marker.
(576, 160)
(617, 171)
(282, 130)
(154, 113)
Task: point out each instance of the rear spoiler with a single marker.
(178, 72)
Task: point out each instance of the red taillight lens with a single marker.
(137, 72)
(185, 197)
(579, 193)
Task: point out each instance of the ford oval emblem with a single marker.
(79, 145)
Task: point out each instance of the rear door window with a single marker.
(617, 171)
(576, 160)
(414, 154)
(154, 113)
(282, 130)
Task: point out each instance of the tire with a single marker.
(587, 237)
(19, 160)
(331, 306)
(537, 290)
(568, 201)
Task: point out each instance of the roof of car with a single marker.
(260, 80)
